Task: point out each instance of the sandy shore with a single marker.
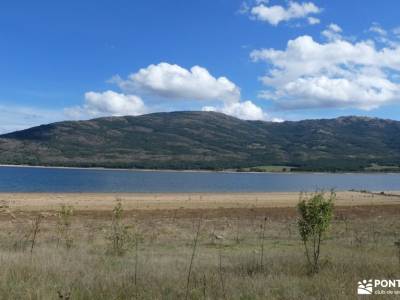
(167, 201)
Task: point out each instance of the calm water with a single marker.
(77, 180)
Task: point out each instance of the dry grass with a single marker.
(226, 264)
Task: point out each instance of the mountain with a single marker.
(207, 140)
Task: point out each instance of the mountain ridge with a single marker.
(206, 140)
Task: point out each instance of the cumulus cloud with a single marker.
(338, 73)
(107, 103)
(175, 82)
(276, 14)
(245, 110)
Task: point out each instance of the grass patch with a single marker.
(224, 268)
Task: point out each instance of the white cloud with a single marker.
(333, 32)
(380, 35)
(276, 13)
(376, 28)
(313, 21)
(277, 120)
(334, 27)
(108, 103)
(245, 110)
(337, 73)
(173, 81)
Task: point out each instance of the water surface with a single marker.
(25, 179)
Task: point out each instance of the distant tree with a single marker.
(316, 212)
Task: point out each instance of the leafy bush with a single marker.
(316, 214)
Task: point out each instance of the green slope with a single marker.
(206, 140)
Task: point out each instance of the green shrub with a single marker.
(316, 213)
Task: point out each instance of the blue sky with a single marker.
(271, 60)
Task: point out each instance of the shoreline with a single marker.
(182, 201)
(190, 171)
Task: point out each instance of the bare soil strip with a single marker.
(189, 205)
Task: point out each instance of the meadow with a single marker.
(222, 252)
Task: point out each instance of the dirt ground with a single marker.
(189, 205)
(248, 246)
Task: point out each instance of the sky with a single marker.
(255, 59)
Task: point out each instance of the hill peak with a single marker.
(198, 139)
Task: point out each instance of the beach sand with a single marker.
(171, 201)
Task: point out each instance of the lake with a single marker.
(25, 179)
